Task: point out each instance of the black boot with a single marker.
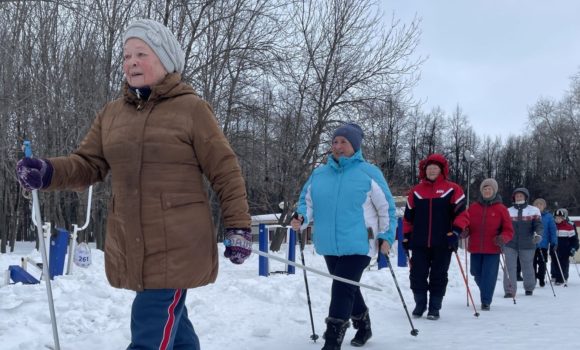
(420, 304)
(334, 334)
(434, 307)
(362, 323)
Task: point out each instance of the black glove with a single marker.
(453, 240)
(572, 252)
(406, 243)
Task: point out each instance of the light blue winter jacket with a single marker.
(550, 235)
(343, 199)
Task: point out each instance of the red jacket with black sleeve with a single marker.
(434, 208)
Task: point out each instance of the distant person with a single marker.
(528, 230)
(158, 141)
(352, 207)
(567, 245)
(549, 241)
(490, 228)
(434, 218)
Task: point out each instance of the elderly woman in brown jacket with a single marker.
(158, 141)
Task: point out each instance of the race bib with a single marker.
(82, 255)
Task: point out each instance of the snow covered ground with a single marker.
(244, 311)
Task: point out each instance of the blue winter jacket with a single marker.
(550, 236)
(345, 199)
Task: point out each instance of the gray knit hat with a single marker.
(160, 40)
(352, 132)
(489, 182)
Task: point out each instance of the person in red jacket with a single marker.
(490, 227)
(434, 218)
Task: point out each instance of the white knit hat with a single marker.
(160, 40)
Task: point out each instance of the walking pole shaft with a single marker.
(318, 272)
(476, 314)
(545, 259)
(37, 219)
(314, 336)
(45, 271)
(507, 275)
(414, 331)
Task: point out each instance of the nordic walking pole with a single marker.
(560, 267)
(37, 219)
(314, 336)
(507, 275)
(467, 268)
(476, 314)
(547, 273)
(414, 331)
(307, 268)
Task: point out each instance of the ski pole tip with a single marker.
(415, 332)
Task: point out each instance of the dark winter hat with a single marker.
(521, 190)
(561, 212)
(489, 182)
(352, 132)
(160, 40)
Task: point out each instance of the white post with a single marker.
(76, 230)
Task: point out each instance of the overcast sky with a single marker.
(495, 58)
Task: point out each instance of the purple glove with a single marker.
(238, 242)
(34, 173)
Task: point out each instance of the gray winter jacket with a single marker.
(526, 220)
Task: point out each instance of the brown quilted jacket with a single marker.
(159, 227)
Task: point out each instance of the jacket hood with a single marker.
(170, 86)
(434, 158)
(496, 199)
(522, 190)
(343, 162)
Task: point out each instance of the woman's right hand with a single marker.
(296, 222)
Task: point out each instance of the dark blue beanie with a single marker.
(352, 132)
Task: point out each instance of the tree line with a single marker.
(281, 75)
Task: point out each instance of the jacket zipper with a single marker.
(430, 219)
(483, 227)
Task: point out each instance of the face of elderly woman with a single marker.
(141, 65)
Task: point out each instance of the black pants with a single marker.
(540, 263)
(429, 268)
(564, 258)
(345, 299)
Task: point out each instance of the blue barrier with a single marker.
(292, 251)
(20, 275)
(263, 262)
(401, 257)
(263, 245)
(58, 248)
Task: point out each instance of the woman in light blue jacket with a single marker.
(350, 203)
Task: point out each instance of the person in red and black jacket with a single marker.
(434, 218)
(567, 246)
(490, 227)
